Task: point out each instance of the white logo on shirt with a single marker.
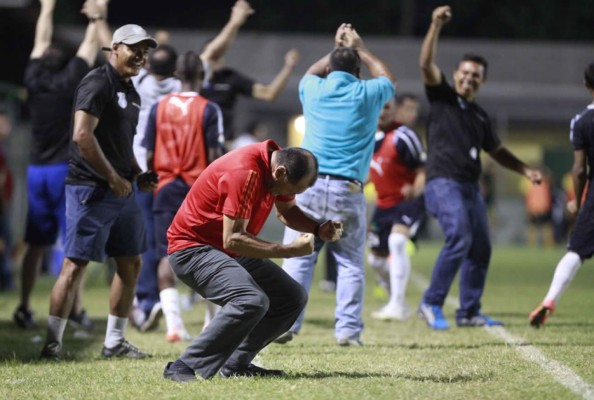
(473, 153)
(122, 102)
(182, 105)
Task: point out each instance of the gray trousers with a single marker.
(259, 302)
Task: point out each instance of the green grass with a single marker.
(399, 360)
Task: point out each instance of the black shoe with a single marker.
(152, 320)
(285, 337)
(23, 317)
(250, 371)
(81, 321)
(179, 372)
(124, 349)
(52, 351)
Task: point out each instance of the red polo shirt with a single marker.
(235, 185)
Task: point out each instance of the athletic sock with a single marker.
(114, 334)
(399, 268)
(172, 310)
(564, 274)
(55, 329)
(380, 267)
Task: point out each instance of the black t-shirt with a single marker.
(50, 96)
(582, 135)
(457, 130)
(116, 103)
(223, 88)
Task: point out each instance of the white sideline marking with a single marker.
(561, 373)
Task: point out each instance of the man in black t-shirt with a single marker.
(223, 85)
(457, 130)
(581, 242)
(51, 79)
(103, 217)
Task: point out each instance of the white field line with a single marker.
(560, 373)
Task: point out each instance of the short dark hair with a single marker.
(589, 76)
(476, 59)
(189, 67)
(345, 59)
(162, 60)
(402, 97)
(298, 162)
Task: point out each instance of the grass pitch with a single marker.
(399, 361)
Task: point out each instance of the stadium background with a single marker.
(537, 51)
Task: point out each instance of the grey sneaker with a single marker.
(349, 342)
(152, 321)
(52, 351)
(124, 349)
(285, 337)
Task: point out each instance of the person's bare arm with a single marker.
(84, 137)
(89, 47)
(44, 29)
(237, 240)
(289, 213)
(507, 159)
(375, 66)
(320, 67)
(219, 45)
(429, 70)
(579, 176)
(104, 33)
(271, 91)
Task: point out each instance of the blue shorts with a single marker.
(46, 215)
(582, 236)
(99, 223)
(167, 201)
(409, 213)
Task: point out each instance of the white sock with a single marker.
(399, 267)
(380, 267)
(211, 310)
(172, 310)
(55, 329)
(114, 334)
(564, 273)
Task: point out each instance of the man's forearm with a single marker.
(248, 245)
(297, 220)
(375, 66)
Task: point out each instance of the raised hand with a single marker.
(442, 15)
(241, 11)
(292, 58)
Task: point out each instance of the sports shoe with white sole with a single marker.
(392, 312)
(433, 315)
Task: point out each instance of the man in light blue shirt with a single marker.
(341, 113)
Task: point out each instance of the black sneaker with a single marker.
(285, 337)
(179, 372)
(81, 321)
(250, 370)
(23, 317)
(124, 349)
(152, 320)
(52, 351)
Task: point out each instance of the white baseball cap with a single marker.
(132, 34)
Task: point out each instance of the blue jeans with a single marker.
(462, 214)
(335, 200)
(147, 287)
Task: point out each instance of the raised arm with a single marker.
(320, 67)
(429, 70)
(219, 45)
(89, 47)
(104, 33)
(44, 28)
(271, 91)
(375, 66)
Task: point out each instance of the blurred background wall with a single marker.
(536, 56)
